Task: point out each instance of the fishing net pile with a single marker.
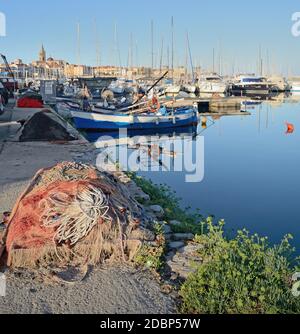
(30, 99)
(72, 214)
(45, 126)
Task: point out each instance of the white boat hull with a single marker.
(213, 87)
(173, 90)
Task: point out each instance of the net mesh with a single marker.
(72, 214)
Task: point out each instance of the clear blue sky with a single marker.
(235, 27)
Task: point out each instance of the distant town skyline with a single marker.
(95, 33)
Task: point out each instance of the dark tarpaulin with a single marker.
(45, 126)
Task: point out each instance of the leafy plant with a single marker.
(163, 195)
(152, 256)
(243, 275)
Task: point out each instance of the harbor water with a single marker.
(251, 170)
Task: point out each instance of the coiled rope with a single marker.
(74, 219)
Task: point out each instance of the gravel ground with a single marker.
(115, 290)
(9, 194)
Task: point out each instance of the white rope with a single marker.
(75, 219)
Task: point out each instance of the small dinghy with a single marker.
(164, 118)
(63, 107)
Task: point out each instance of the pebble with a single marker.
(141, 195)
(183, 236)
(166, 228)
(183, 262)
(157, 210)
(170, 256)
(176, 245)
(125, 179)
(143, 234)
(175, 223)
(137, 192)
(174, 277)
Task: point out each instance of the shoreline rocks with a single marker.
(157, 210)
(175, 223)
(184, 261)
(176, 245)
(183, 236)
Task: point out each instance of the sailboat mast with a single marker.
(168, 57)
(152, 45)
(131, 50)
(186, 61)
(260, 62)
(268, 63)
(172, 61)
(161, 54)
(190, 53)
(98, 57)
(136, 54)
(118, 54)
(116, 44)
(220, 63)
(78, 44)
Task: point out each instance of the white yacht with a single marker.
(251, 84)
(213, 83)
(173, 89)
(189, 88)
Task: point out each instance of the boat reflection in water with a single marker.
(145, 149)
(96, 136)
(293, 97)
(251, 101)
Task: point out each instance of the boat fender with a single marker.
(154, 105)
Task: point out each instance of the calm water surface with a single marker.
(251, 171)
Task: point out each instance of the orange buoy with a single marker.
(290, 128)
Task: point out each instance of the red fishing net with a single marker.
(70, 211)
(27, 229)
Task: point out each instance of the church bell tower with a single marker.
(42, 55)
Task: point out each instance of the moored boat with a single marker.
(212, 84)
(251, 85)
(135, 121)
(172, 89)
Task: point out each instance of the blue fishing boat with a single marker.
(169, 118)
